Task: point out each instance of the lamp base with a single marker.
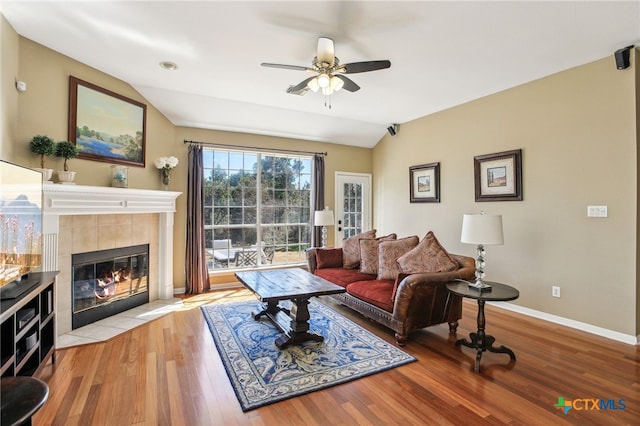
(324, 237)
(480, 286)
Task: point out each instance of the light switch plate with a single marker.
(597, 211)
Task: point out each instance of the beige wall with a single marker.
(43, 109)
(8, 76)
(577, 132)
(636, 66)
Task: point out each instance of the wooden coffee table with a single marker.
(294, 284)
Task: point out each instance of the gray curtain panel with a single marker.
(195, 262)
(318, 198)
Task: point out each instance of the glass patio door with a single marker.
(353, 204)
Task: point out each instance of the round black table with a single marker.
(480, 341)
(20, 398)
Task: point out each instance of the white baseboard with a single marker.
(583, 326)
(220, 286)
(599, 331)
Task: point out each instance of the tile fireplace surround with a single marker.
(87, 218)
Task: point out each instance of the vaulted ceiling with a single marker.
(442, 54)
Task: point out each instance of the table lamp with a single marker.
(323, 218)
(481, 229)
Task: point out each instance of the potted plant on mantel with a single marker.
(43, 146)
(66, 150)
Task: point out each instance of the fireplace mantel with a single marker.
(80, 199)
(60, 200)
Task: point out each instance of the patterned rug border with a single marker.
(247, 405)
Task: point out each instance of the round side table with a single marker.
(480, 341)
(21, 397)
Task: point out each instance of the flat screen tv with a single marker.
(20, 228)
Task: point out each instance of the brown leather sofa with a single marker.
(409, 303)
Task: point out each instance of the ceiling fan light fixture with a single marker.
(327, 91)
(336, 83)
(324, 80)
(313, 84)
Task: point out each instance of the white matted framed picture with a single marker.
(424, 183)
(498, 177)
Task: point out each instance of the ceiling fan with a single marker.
(329, 71)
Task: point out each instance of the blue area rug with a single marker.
(262, 374)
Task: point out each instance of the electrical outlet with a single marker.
(555, 291)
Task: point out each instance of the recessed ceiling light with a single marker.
(168, 65)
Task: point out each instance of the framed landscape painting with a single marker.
(498, 177)
(106, 126)
(424, 183)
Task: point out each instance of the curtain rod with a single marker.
(219, 145)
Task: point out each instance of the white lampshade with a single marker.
(482, 229)
(323, 217)
(336, 83)
(324, 80)
(313, 84)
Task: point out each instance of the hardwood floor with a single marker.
(168, 372)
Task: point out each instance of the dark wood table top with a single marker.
(285, 284)
(498, 293)
(21, 397)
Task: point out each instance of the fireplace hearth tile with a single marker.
(123, 322)
(110, 327)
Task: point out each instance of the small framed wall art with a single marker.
(498, 177)
(424, 183)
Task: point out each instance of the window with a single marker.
(257, 208)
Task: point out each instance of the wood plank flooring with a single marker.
(168, 372)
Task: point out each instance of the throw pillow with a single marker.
(328, 258)
(389, 252)
(428, 256)
(351, 249)
(369, 253)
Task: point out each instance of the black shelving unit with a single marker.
(27, 327)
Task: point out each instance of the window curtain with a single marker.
(318, 198)
(195, 261)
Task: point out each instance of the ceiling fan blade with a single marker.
(356, 67)
(287, 67)
(349, 85)
(300, 86)
(326, 51)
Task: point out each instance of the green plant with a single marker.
(66, 150)
(42, 146)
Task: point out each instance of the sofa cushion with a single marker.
(342, 277)
(369, 253)
(389, 252)
(351, 249)
(328, 258)
(427, 256)
(376, 292)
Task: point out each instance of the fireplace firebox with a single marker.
(108, 282)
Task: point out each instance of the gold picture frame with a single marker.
(106, 126)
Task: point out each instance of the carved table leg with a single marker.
(481, 342)
(298, 327)
(271, 307)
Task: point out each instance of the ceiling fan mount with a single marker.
(329, 71)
